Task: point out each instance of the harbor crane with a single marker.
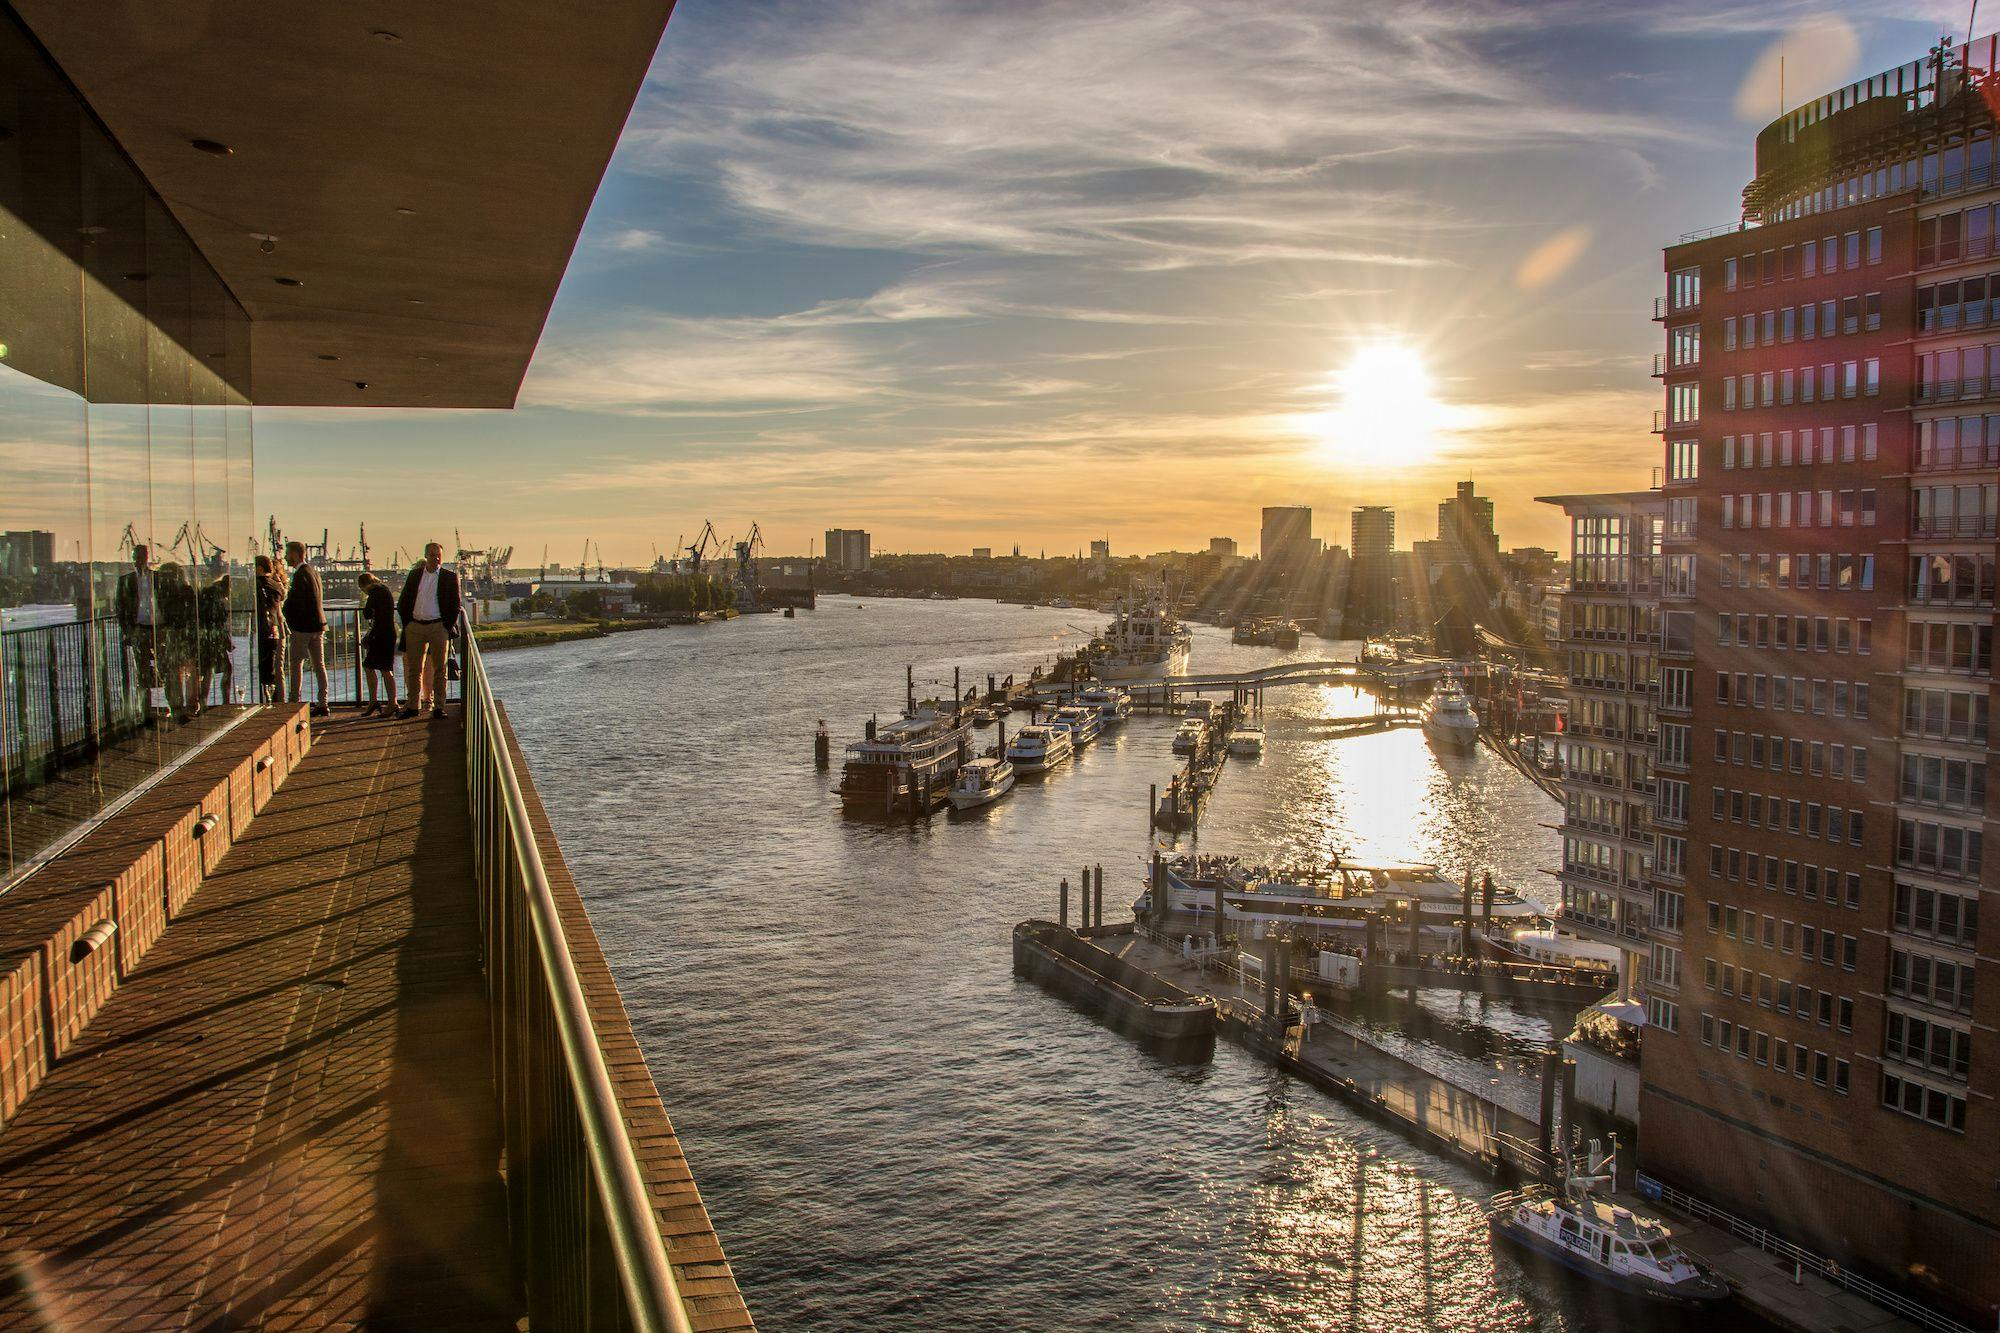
(747, 552)
(705, 545)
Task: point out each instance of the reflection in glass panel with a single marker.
(118, 431)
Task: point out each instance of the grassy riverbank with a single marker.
(505, 634)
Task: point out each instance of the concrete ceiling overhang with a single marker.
(423, 168)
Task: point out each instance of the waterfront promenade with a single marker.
(287, 1112)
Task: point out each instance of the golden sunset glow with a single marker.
(1384, 411)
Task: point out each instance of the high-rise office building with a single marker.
(847, 548)
(1371, 580)
(1465, 530)
(1222, 546)
(1286, 530)
(28, 552)
(1824, 1054)
(1610, 640)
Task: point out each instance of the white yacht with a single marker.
(1144, 641)
(981, 782)
(1246, 742)
(1314, 899)
(1081, 721)
(1448, 717)
(1113, 705)
(1187, 736)
(1036, 749)
(1606, 1243)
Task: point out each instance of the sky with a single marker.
(1037, 273)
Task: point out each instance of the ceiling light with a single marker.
(328, 356)
(384, 35)
(361, 384)
(136, 277)
(407, 212)
(288, 282)
(211, 147)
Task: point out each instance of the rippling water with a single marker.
(893, 1132)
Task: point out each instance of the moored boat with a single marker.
(1036, 749)
(1113, 705)
(1314, 899)
(981, 782)
(1144, 641)
(905, 761)
(1081, 721)
(1448, 717)
(1187, 736)
(1605, 1242)
(1247, 742)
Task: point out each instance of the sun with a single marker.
(1384, 411)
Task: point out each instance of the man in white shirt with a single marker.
(429, 607)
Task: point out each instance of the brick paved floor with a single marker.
(284, 1117)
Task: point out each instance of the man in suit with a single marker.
(429, 608)
(138, 609)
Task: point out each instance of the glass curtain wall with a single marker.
(126, 513)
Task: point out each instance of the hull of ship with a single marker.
(1172, 664)
(1452, 738)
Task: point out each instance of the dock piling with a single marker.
(822, 748)
(1465, 920)
(1097, 899)
(1062, 908)
(1552, 1062)
(1152, 807)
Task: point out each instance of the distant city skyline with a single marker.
(965, 275)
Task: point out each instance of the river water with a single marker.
(889, 1129)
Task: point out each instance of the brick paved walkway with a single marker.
(284, 1116)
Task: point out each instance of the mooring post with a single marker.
(1416, 933)
(1158, 881)
(1465, 920)
(1568, 1099)
(1545, 1138)
(910, 688)
(822, 747)
(1062, 904)
(1152, 807)
(1284, 979)
(1486, 900)
(1097, 899)
(1371, 929)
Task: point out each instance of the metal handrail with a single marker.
(1772, 1243)
(596, 1184)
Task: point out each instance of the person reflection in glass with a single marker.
(270, 631)
(138, 609)
(178, 638)
(217, 655)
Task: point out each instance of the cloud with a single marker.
(1145, 135)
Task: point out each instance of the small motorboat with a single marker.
(981, 782)
(1187, 737)
(983, 716)
(1604, 1241)
(1247, 742)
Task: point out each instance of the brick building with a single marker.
(1831, 433)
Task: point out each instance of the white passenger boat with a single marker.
(1081, 721)
(1310, 899)
(1036, 749)
(898, 761)
(1611, 1245)
(1113, 705)
(1247, 742)
(1145, 639)
(981, 782)
(1448, 718)
(1187, 737)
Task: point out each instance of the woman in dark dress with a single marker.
(378, 645)
(270, 631)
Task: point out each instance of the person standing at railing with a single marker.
(378, 645)
(429, 606)
(305, 616)
(270, 631)
(138, 611)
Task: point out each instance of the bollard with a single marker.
(1545, 1137)
(1465, 920)
(1062, 904)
